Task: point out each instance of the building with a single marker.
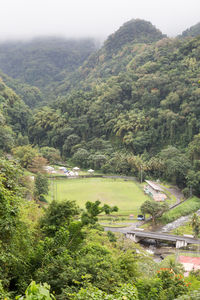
(155, 191)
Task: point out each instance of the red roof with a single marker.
(188, 259)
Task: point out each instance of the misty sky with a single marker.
(92, 18)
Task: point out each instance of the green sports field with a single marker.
(126, 195)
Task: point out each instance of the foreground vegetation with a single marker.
(65, 248)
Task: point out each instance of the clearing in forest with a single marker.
(126, 195)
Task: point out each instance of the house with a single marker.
(155, 191)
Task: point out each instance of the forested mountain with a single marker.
(134, 31)
(192, 31)
(136, 96)
(42, 62)
(14, 116)
(31, 95)
(129, 40)
(146, 100)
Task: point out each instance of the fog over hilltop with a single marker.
(26, 19)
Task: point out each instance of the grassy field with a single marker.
(126, 195)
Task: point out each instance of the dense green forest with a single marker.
(129, 102)
(133, 102)
(43, 62)
(192, 31)
(130, 107)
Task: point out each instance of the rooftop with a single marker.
(154, 186)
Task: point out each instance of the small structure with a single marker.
(90, 171)
(76, 169)
(131, 217)
(61, 168)
(153, 187)
(155, 191)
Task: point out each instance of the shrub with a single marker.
(37, 292)
(186, 192)
(126, 291)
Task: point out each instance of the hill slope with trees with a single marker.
(43, 61)
(192, 31)
(135, 102)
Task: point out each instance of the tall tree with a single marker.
(154, 209)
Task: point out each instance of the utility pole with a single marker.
(140, 173)
(56, 189)
(190, 191)
(53, 188)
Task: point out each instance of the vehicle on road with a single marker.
(140, 218)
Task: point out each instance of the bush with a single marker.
(194, 295)
(126, 291)
(186, 192)
(3, 293)
(51, 154)
(37, 292)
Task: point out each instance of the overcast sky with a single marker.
(92, 18)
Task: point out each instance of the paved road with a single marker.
(118, 229)
(155, 235)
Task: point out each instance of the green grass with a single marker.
(184, 209)
(126, 195)
(183, 229)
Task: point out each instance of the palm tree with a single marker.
(195, 225)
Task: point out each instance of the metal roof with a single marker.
(154, 186)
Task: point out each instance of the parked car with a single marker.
(140, 218)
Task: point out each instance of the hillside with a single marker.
(14, 116)
(126, 106)
(130, 39)
(32, 96)
(134, 31)
(42, 62)
(150, 101)
(192, 31)
(52, 64)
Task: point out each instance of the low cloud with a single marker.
(92, 18)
